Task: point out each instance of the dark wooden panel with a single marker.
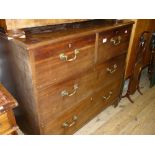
(51, 101)
(110, 71)
(22, 70)
(107, 94)
(54, 70)
(82, 112)
(65, 46)
(113, 43)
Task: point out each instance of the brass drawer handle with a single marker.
(0, 125)
(107, 97)
(64, 57)
(68, 125)
(116, 41)
(66, 93)
(113, 69)
(1, 108)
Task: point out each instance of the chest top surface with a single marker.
(40, 36)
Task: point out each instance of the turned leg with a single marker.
(138, 87)
(128, 96)
(139, 91)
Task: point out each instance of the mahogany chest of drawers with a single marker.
(67, 75)
(7, 120)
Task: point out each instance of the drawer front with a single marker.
(113, 43)
(61, 97)
(4, 123)
(75, 118)
(110, 71)
(64, 60)
(108, 94)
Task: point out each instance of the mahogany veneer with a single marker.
(68, 75)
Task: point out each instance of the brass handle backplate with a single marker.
(68, 125)
(113, 69)
(64, 57)
(107, 97)
(116, 41)
(66, 93)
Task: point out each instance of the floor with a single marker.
(127, 118)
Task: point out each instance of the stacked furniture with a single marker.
(7, 120)
(66, 74)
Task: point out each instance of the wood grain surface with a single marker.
(25, 23)
(41, 75)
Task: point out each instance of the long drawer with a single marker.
(74, 118)
(112, 43)
(110, 71)
(63, 60)
(71, 120)
(56, 99)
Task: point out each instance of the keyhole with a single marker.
(70, 45)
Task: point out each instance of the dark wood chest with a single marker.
(65, 77)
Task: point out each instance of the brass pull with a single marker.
(1, 108)
(68, 125)
(64, 57)
(112, 70)
(66, 93)
(116, 41)
(107, 97)
(0, 125)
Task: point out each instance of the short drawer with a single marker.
(113, 43)
(110, 71)
(4, 123)
(108, 94)
(63, 60)
(56, 99)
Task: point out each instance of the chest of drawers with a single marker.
(65, 77)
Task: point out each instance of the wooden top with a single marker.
(6, 99)
(45, 35)
(11, 24)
